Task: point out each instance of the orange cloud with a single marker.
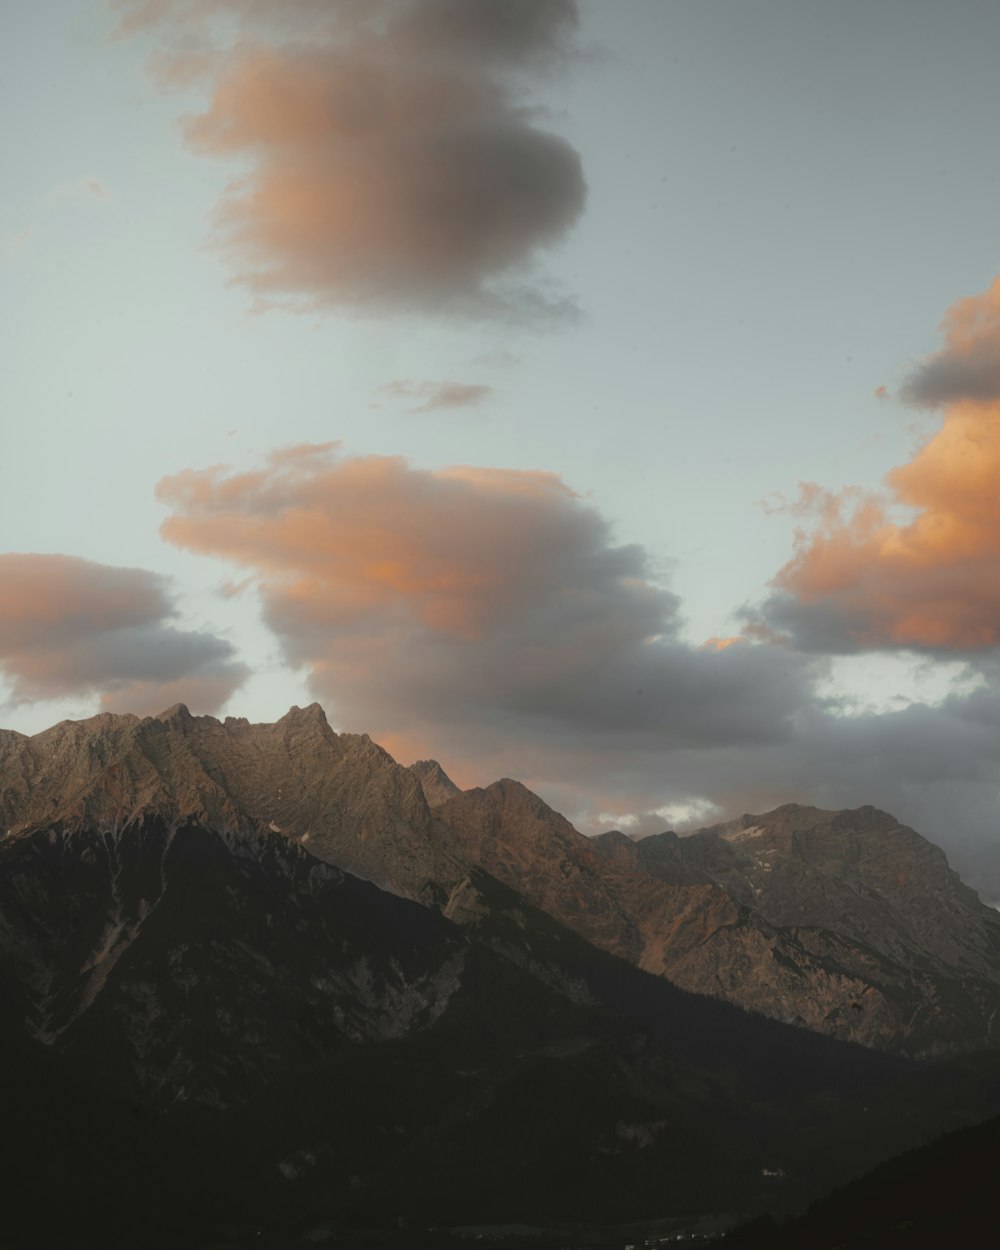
(721, 644)
(71, 627)
(389, 162)
(476, 613)
(344, 541)
(919, 565)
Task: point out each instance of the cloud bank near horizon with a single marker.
(72, 627)
(390, 159)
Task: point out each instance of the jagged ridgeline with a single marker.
(264, 977)
(845, 922)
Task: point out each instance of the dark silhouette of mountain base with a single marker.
(208, 1035)
(940, 1195)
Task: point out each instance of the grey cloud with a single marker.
(513, 31)
(437, 395)
(968, 366)
(952, 376)
(71, 627)
(510, 31)
(830, 625)
(152, 652)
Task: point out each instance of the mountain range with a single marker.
(263, 979)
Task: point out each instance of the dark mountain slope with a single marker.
(210, 1032)
(939, 1195)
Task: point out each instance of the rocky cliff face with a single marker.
(858, 873)
(869, 900)
(688, 909)
(845, 923)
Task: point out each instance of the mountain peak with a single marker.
(176, 714)
(437, 786)
(311, 715)
(509, 791)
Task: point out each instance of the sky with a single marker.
(604, 393)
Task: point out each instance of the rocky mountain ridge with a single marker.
(859, 873)
(340, 792)
(929, 983)
(845, 923)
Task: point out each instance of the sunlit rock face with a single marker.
(843, 922)
(339, 794)
(437, 786)
(897, 950)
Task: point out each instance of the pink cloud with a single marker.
(389, 160)
(71, 627)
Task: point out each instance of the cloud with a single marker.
(420, 600)
(968, 367)
(721, 644)
(72, 627)
(389, 161)
(437, 395)
(512, 31)
(916, 566)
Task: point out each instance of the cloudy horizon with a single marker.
(567, 391)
